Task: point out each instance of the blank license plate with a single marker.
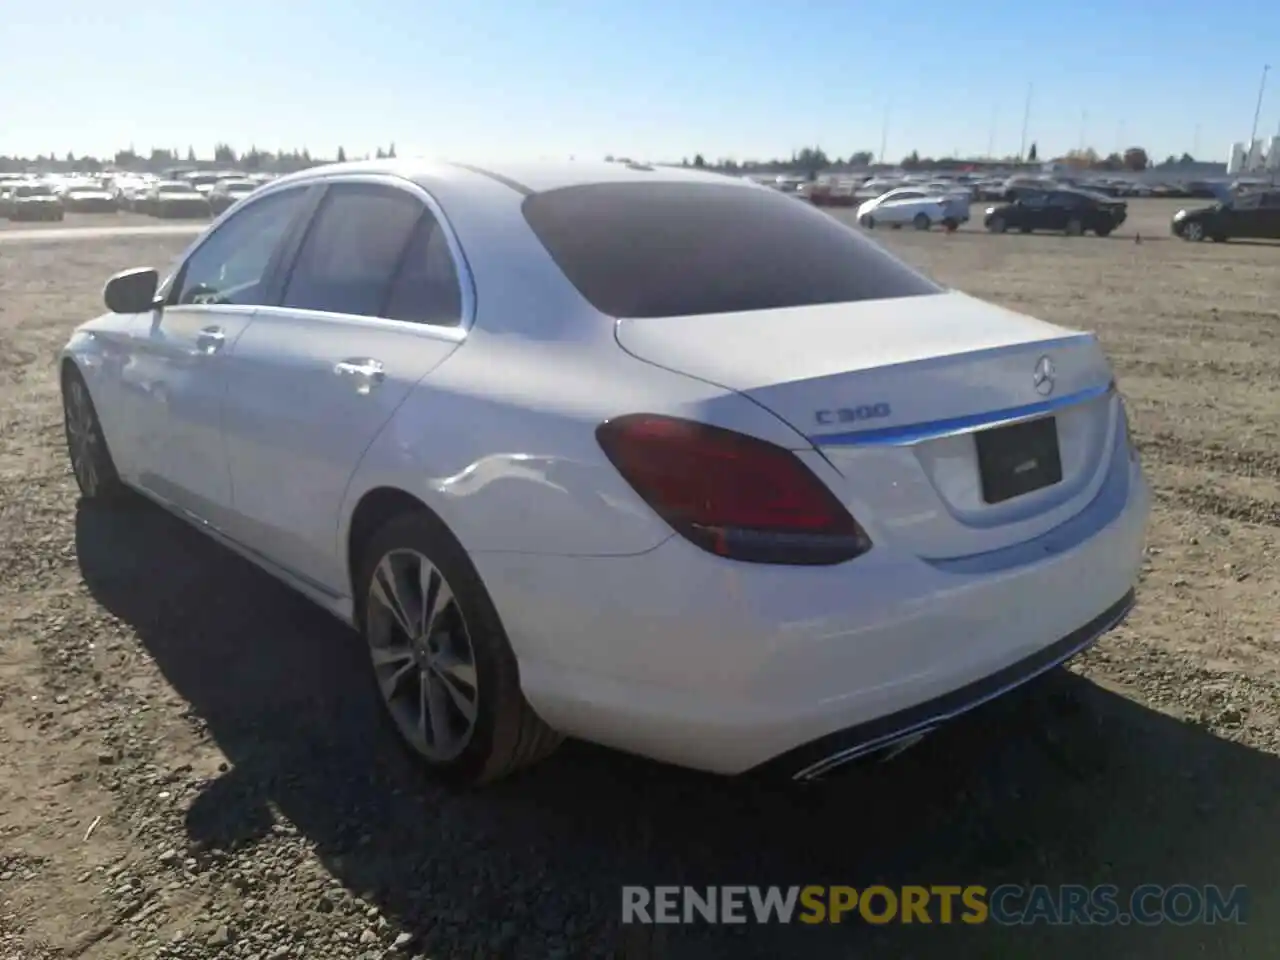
(1019, 458)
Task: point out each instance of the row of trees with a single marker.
(815, 160)
(159, 158)
(810, 160)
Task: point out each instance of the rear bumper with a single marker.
(689, 659)
(815, 760)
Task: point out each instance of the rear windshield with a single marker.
(678, 249)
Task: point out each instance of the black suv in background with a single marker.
(1072, 212)
(1254, 215)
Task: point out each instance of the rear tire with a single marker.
(452, 688)
(951, 224)
(921, 221)
(91, 462)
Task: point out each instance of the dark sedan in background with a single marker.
(171, 199)
(1068, 211)
(1255, 216)
(226, 193)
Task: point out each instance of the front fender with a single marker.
(100, 351)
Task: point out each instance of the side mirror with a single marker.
(132, 291)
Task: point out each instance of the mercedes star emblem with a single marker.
(1043, 376)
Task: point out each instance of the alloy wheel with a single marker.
(422, 653)
(1195, 231)
(82, 435)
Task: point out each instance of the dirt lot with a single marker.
(73, 220)
(191, 770)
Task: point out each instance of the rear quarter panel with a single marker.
(500, 442)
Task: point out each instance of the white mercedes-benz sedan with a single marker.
(650, 457)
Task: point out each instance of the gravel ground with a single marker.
(122, 218)
(192, 771)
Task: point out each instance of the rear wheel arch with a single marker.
(374, 510)
(508, 735)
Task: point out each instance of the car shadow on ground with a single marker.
(1063, 782)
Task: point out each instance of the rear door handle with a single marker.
(365, 371)
(210, 339)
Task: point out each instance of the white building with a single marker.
(1235, 163)
(1255, 157)
(1273, 154)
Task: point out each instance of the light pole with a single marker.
(884, 130)
(991, 135)
(1026, 118)
(1253, 134)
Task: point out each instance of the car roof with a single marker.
(527, 177)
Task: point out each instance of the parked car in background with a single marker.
(918, 207)
(199, 181)
(875, 187)
(1254, 215)
(226, 193)
(989, 190)
(644, 456)
(1072, 212)
(129, 191)
(173, 199)
(89, 198)
(1016, 187)
(32, 200)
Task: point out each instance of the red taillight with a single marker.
(731, 494)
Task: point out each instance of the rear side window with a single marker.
(675, 249)
(427, 290)
(352, 250)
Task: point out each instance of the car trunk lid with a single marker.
(907, 399)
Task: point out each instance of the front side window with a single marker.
(353, 250)
(670, 249)
(229, 267)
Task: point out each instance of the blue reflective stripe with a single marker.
(933, 429)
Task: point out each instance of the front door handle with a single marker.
(210, 339)
(365, 371)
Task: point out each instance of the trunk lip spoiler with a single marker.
(913, 433)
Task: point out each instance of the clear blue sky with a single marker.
(651, 79)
